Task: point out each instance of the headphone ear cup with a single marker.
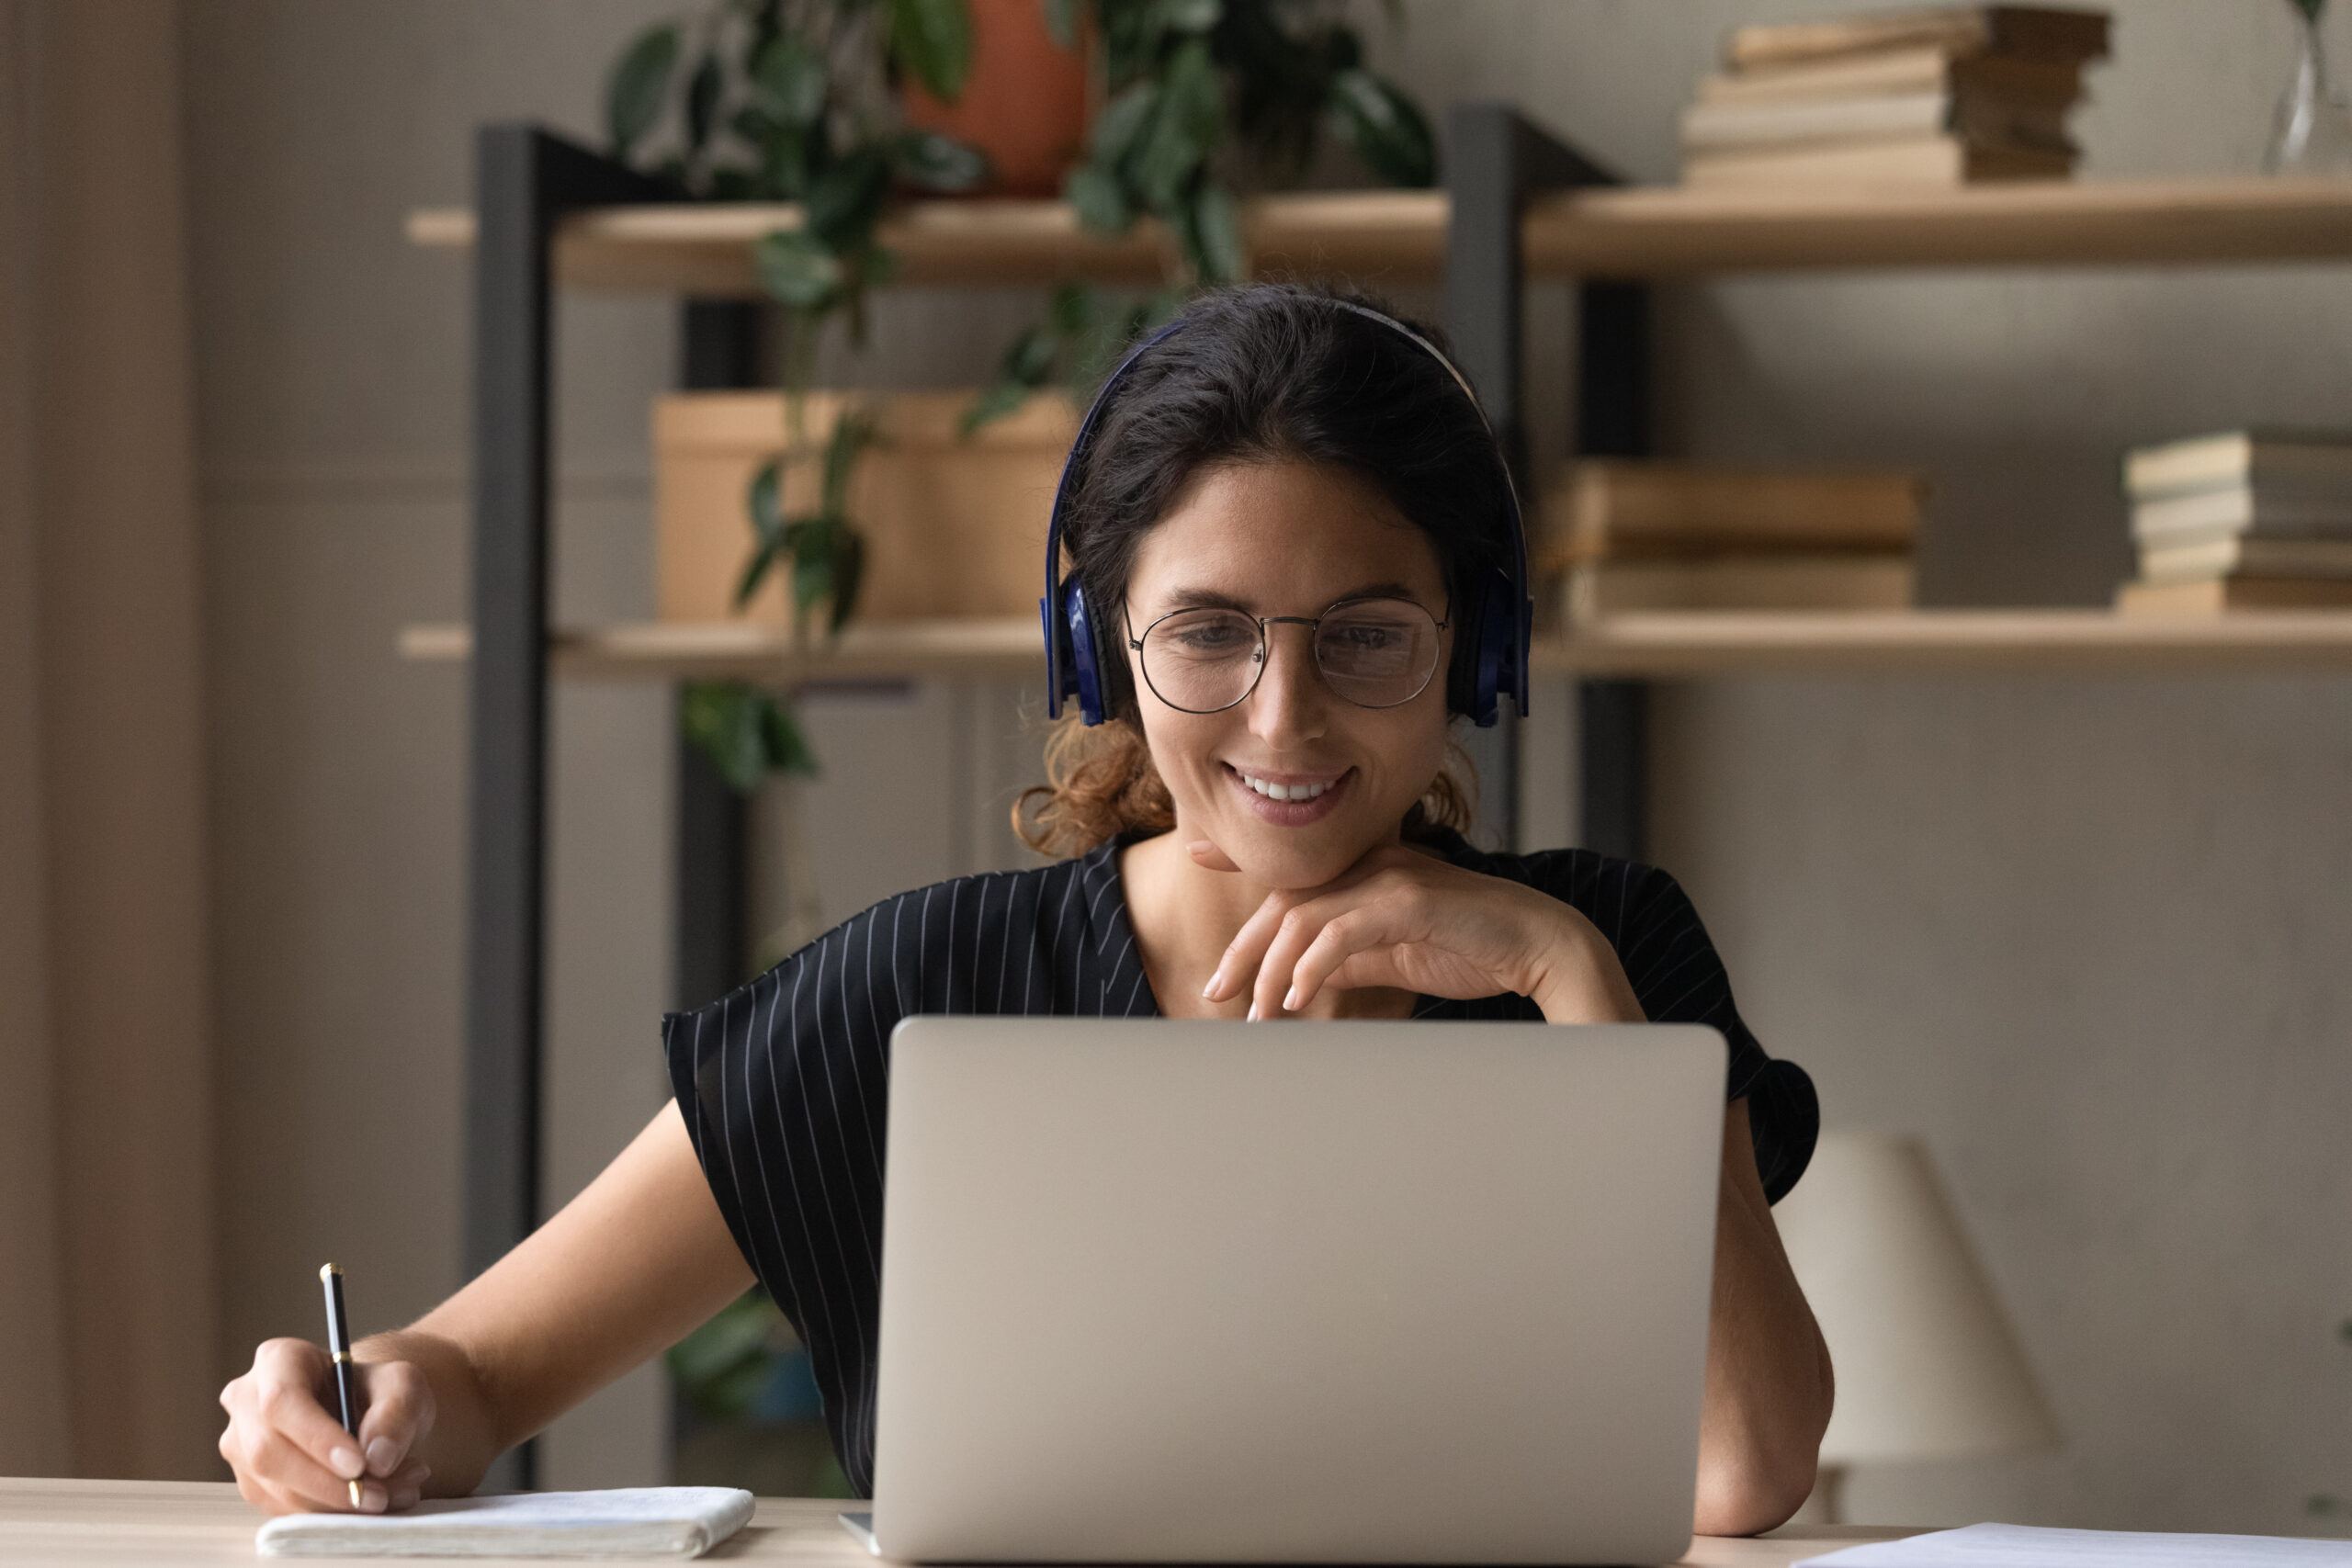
(1496, 630)
(1085, 679)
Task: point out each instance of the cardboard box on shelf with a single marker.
(954, 527)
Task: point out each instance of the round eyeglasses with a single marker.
(1376, 653)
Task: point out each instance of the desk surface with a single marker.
(102, 1524)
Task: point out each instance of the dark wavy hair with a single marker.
(1265, 373)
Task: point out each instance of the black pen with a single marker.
(346, 1389)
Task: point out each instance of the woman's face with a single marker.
(1289, 539)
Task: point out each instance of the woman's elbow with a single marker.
(1758, 1480)
(1753, 1491)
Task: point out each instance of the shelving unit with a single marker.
(1517, 204)
(1654, 646)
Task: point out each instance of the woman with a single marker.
(1285, 518)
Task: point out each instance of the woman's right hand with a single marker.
(290, 1452)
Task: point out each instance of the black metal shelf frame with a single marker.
(527, 181)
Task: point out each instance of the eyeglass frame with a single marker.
(1265, 645)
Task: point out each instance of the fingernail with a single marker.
(1253, 1012)
(1290, 999)
(1209, 991)
(383, 1456)
(372, 1499)
(347, 1463)
(407, 1499)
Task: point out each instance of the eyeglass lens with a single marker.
(1376, 654)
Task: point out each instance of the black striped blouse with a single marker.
(784, 1081)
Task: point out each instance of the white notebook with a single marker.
(643, 1521)
(2024, 1546)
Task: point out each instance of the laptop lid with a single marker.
(1337, 1293)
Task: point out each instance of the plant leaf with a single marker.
(722, 717)
(763, 499)
(755, 570)
(1188, 16)
(786, 743)
(798, 270)
(1061, 22)
(1070, 309)
(1121, 125)
(1098, 200)
(854, 431)
(934, 162)
(702, 90)
(1384, 127)
(637, 87)
(790, 76)
(848, 574)
(1216, 235)
(1190, 124)
(933, 38)
(990, 405)
(845, 201)
(812, 579)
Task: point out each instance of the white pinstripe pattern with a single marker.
(836, 1022)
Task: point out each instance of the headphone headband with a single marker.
(1501, 619)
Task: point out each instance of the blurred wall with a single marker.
(2086, 934)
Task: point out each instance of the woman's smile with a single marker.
(1290, 799)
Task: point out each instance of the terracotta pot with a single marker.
(1025, 104)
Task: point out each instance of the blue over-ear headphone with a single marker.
(1501, 620)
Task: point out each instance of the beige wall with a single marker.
(2085, 935)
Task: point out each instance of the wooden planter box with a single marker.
(954, 528)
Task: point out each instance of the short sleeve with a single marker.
(783, 1086)
(1678, 977)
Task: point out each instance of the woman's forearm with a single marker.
(1768, 1383)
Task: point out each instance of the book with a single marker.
(2032, 31)
(2275, 511)
(2215, 596)
(1734, 582)
(2054, 82)
(643, 1521)
(2255, 557)
(1624, 507)
(1942, 160)
(2308, 461)
(1978, 118)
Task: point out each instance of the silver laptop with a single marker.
(1160, 1291)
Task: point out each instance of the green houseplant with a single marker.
(790, 100)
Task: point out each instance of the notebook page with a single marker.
(644, 1521)
(2024, 1546)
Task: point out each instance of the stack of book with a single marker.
(1943, 96)
(1625, 536)
(2242, 521)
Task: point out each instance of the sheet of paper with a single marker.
(2025, 1546)
(643, 1521)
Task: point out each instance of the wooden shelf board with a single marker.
(1741, 642)
(1652, 645)
(719, 650)
(1399, 236)
(707, 248)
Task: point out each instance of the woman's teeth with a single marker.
(1282, 791)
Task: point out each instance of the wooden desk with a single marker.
(132, 1524)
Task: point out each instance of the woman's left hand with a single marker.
(1398, 917)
